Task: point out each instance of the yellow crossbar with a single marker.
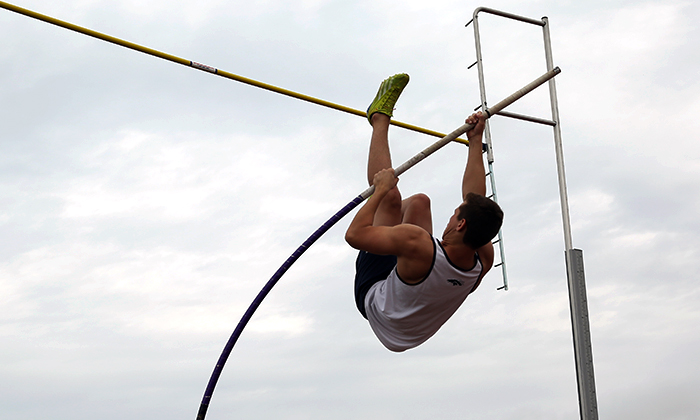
(209, 69)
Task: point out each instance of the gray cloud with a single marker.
(144, 205)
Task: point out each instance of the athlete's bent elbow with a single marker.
(350, 238)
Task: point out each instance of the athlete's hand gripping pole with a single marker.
(334, 219)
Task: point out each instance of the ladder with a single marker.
(583, 353)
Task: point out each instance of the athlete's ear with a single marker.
(462, 225)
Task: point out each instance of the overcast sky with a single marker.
(144, 204)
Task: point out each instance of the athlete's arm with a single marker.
(410, 243)
(474, 179)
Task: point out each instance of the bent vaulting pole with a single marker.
(209, 69)
(334, 219)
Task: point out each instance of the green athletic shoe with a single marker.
(388, 94)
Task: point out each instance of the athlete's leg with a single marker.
(389, 211)
(416, 211)
(379, 154)
(372, 268)
(379, 114)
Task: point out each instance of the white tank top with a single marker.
(403, 316)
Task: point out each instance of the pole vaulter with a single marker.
(445, 139)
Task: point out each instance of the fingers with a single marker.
(385, 178)
(478, 123)
(384, 172)
(475, 118)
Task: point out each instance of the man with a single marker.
(408, 283)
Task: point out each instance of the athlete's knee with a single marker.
(392, 199)
(420, 202)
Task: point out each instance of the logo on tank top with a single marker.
(455, 282)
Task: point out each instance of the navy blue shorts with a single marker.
(370, 269)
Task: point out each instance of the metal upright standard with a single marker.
(583, 353)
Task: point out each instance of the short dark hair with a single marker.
(484, 219)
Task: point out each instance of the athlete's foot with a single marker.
(388, 94)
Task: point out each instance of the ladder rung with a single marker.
(496, 241)
(499, 264)
(526, 118)
(473, 65)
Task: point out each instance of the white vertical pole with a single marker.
(558, 149)
(578, 303)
